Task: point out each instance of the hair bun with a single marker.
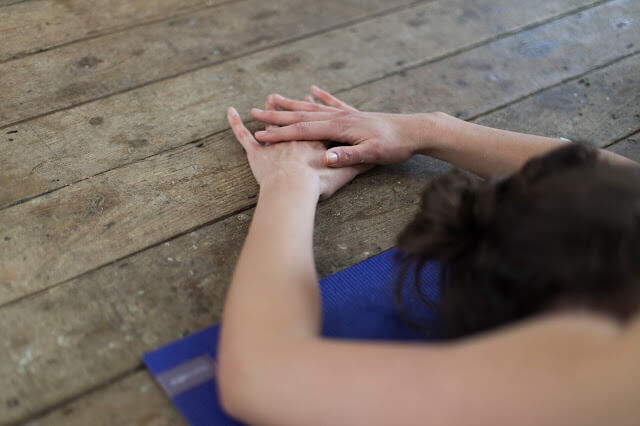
(455, 210)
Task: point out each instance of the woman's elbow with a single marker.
(231, 385)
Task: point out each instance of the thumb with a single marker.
(348, 156)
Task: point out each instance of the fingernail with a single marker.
(260, 134)
(258, 110)
(332, 158)
(232, 111)
(278, 96)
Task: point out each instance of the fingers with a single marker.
(243, 135)
(283, 118)
(302, 131)
(269, 106)
(309, 98)
(344, 156)
(294, 105)
(328, 99)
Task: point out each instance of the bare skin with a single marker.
(275, 368)
(379, 138)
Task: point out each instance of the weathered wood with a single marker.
(63, 225)
(133, 401)
(630, 147)
(102, 66)
(34, 26)
(177, 287)
(504, 70)
(127, 127)
(4, 3)
(610, 97)
(43, 170)
(140, 401)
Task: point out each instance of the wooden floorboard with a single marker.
(4, 3)
(117, 130)
(29, 27)
(610, 96)
(133, 401)
(154, 238)
(506, 70)
(102, 66)
(177, 287)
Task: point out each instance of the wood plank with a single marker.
(4, 3)
(507, 69)
(136, 399)
(35, 26)
(95, 327)
(630, 147)
(130, 126)
(61, 242)
(568, 110)
(102, 66)
(133, 401)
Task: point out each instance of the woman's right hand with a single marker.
(375, 138)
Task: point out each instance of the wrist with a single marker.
(432, 130)
(299, 183)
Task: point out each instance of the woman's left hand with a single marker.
(294, 162)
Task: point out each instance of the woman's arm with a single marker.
(379, 138)
(274, 368)
(486, 151)
(273, 300)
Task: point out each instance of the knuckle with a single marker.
(344, 122)
(374, 152)
(346, 156)
(301, 128)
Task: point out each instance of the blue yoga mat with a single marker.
(357, 303)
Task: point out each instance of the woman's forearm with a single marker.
(274, 287)
(273, 299)
(483, 150)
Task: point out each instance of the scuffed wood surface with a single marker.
(131, 126)
(30, 26)
(117, 62)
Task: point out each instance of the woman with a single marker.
(542, 279)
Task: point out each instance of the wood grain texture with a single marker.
(35, 26)
(610, 97)
(629, 147)
(505, 70)
(105, 65)
(95, 327)
(133, 401)
(10, 2)
(130, 126)
(54, 237)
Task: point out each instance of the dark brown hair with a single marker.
(563, 231)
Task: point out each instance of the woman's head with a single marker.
(565, 230)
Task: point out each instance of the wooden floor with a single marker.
(124, 198)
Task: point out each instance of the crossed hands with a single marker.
(372, 138)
